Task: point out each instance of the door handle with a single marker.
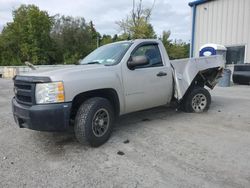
(162, 74)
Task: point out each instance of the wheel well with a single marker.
(205, 78)
(198, 81)
(108, 93)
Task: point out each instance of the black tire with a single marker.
(85, 125)
(196, 100)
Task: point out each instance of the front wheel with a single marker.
(94, 121)
(197, 100)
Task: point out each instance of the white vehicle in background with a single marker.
(113, 80)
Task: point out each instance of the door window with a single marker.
(152, 52)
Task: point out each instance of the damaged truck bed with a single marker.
(205, 70)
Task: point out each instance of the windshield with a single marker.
(109, 54)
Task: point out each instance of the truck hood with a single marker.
(60, 72)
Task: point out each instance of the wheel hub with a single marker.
(199, 102)
(100, 122)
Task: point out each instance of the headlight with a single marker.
(49, 92)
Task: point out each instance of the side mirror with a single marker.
(137, 61)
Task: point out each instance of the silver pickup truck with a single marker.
(113, 80)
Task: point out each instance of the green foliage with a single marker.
(73, 39)
(36, 37)
(106, 39)
(27, 38)
(177, 49)
(136, 25)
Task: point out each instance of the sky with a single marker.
(173, 15)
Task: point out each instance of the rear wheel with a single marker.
(94, 121)
(197, 100)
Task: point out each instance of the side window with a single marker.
(152, 52)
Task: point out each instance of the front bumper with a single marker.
(45, 117)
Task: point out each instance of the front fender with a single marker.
(85, 81)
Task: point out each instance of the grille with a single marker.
(24, 92)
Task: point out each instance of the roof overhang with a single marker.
(197, 2)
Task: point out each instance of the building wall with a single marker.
(224, 22)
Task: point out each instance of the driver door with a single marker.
(149, 85)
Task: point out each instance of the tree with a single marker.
(177, 49)
(96, 36)
(166, 39)
(42, 39)
(27, 38)
(73, 38)
(106, 39)
(115, 38)
(137, 25)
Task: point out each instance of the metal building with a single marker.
(225, 22)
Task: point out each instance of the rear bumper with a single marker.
(46, 117)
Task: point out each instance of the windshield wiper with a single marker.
(93, 62)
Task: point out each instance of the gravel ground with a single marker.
(154, 148)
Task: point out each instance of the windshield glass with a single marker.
(108, 54)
